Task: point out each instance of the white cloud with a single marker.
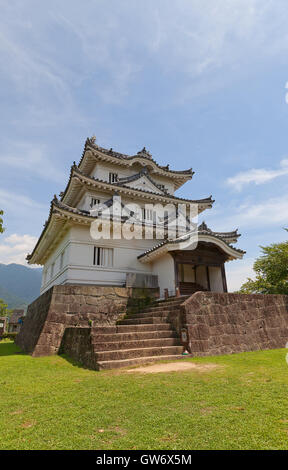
(271, 213)
(257, 176)
(238, 272)
(16, 203)
(14, 248)
(33, 159)
(56, 49)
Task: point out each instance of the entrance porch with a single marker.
(201, 269)
(192, 266)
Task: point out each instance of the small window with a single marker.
(147, 214)
(113, 177)
(103, 256)
(94, 201)
(162, 187)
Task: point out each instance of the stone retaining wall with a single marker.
(230, 323)
(76, 344)
(71, 305)
(216, 323)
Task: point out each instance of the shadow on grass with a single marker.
(75, 363)
(8, 348)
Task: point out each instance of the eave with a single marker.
(93, 153)
(229, 237)
(188, 240)
(78, 179)
(60, 219)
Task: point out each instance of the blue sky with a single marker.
(200, 83)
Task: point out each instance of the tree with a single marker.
(271, 271)
(1, 223)
(4, 311)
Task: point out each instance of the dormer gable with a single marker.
(143, 181)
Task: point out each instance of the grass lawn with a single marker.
(49, 403)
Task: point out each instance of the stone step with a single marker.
(144, 327)
(139, 321)
(131, 328)
(172, 300)
(135, 344)
(138, 352)
(132, 336)
(161, 308)
(158, 313)
(136, 361)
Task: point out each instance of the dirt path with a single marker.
(174, 367)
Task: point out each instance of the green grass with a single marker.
(49, 403)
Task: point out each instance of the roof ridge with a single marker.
(204, 228)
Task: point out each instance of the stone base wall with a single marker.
(216, 323)
(37, 313)
(230, 323)
(76, 344)
(73, 305)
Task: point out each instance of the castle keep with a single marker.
(70, 255)
(130, 278)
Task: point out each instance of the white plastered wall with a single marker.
(164, 268)
(78, 267)
(101, 171)
(216, 282)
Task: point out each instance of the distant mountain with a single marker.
(19, 285)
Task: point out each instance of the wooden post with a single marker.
(208, 278)
(224, 278)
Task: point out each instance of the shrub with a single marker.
(11, 336)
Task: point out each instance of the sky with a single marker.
(200, 83)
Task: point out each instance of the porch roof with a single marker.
(190, 240)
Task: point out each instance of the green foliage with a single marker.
(271, 271)
(11, 335)
(4, 311)
(1, 222)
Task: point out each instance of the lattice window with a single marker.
(103, 256)
(113, 177)
(94, 201)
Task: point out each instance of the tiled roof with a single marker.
(90, 142)
(75, 170)
(186, 237)
(204, 229)
(137, 176)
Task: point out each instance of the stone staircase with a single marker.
(138, 338)
(189, 288)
